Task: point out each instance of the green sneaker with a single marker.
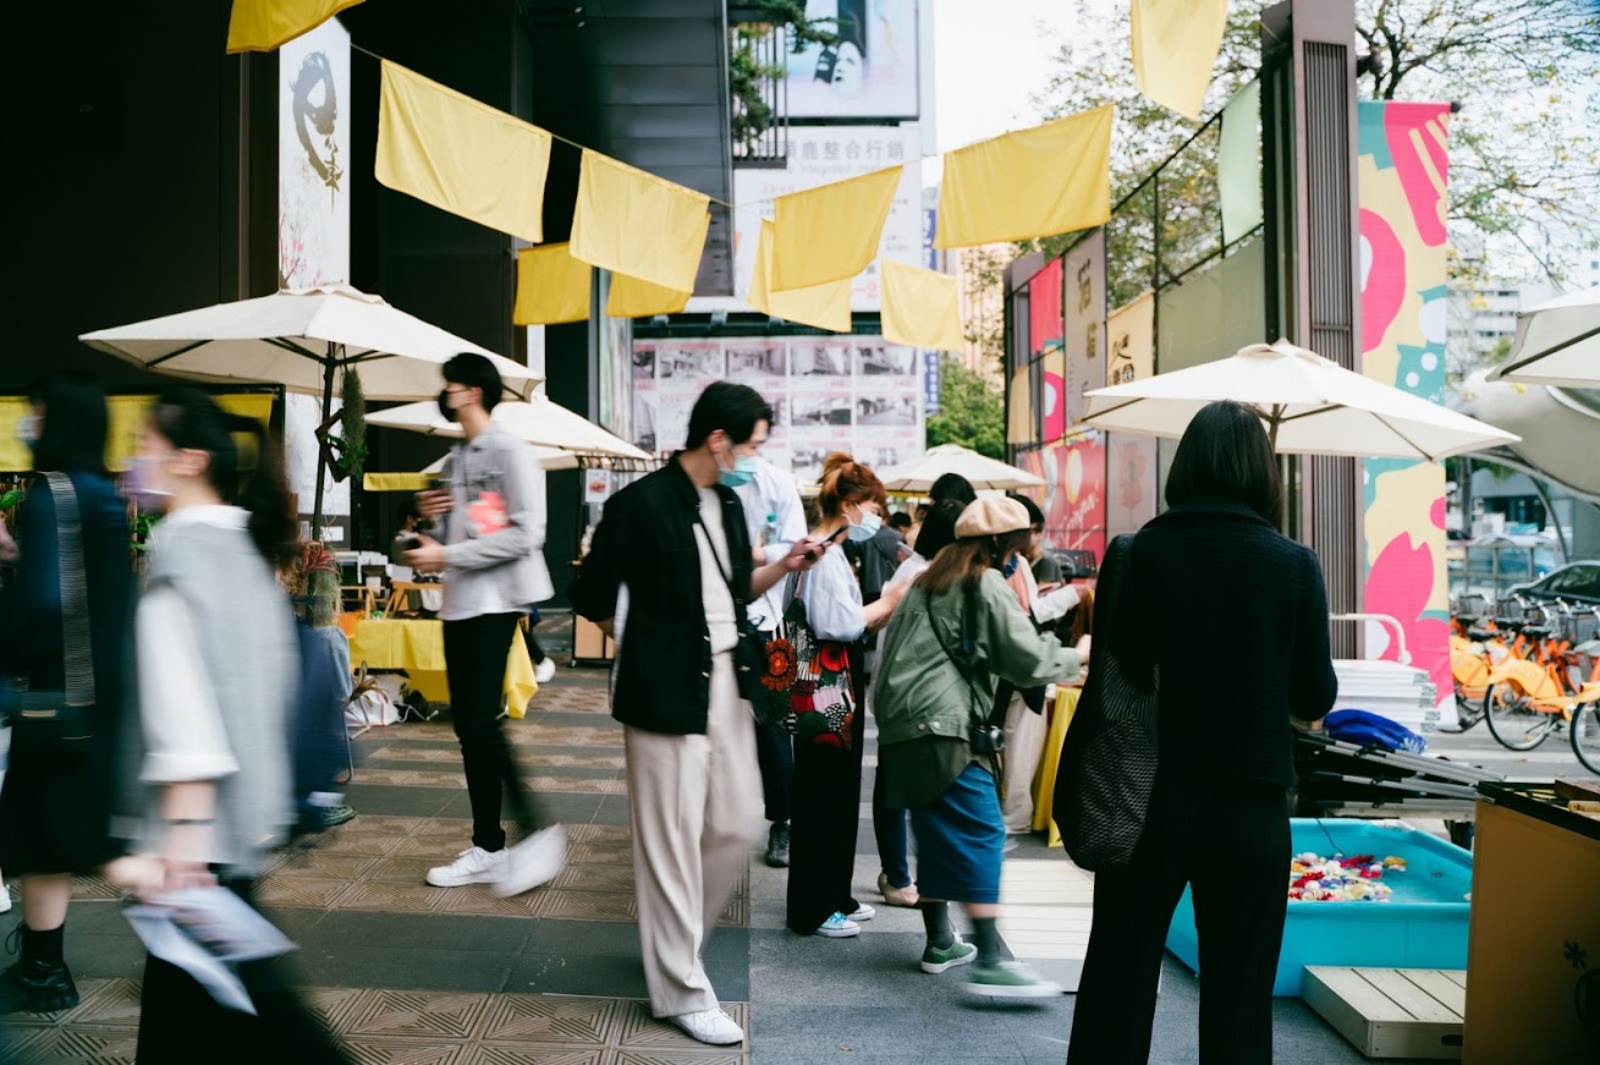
(1010, 979)
(938, 959)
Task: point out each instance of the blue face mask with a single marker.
(743, 472)
(870, 524)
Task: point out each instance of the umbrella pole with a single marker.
(322, 450)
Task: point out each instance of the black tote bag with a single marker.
(1108, 759)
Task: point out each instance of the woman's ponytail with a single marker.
(265, 494)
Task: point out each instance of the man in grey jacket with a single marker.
(491, 509)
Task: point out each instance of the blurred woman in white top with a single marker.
(218, 664)
(827, 766)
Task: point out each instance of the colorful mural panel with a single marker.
(1402, 195)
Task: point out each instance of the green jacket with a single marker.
(922, 693)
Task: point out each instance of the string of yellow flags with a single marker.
(267, 25)
(1175, 45)
(921, 308)
(553, 288)
(830, 233)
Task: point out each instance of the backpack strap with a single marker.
(76, 650)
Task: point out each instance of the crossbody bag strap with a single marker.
(76, 650)
(972, 689)
(711, 545)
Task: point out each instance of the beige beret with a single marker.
(991, 516)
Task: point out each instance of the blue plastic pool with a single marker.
(1423, 925)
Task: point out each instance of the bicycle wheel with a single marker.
(1585, 736)
(1512, 719)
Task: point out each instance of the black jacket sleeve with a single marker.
(594, 592)
(1313, 685)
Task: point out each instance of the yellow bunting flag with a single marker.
(1175, 45)
(267, 25)
(552, 286)
(634, 223)
(631, 298)
(461, 155)
(831, 233)
(1021, 425)
(1038, 182)
(921, 308)
(824, 306)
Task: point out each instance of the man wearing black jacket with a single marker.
(671, 570)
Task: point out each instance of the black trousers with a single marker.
(822, 831)
(179, 1021)
(1231, 842)
(775, 753)
(475, 654)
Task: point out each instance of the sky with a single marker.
(990, 58)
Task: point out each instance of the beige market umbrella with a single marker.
(302, 339)
(539, 421)
(1558, 343)
(980, 471)
(1311, 406)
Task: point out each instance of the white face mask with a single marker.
(866, 529)
(141, 483)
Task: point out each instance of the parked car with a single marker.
(1576, 582)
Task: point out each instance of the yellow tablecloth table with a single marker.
(1044, 783)
(417, 646)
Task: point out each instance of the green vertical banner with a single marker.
(1403, 175)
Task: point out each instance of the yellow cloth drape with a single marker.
(267, 25)
(634, 223)
(632, 298)
(461, 155)
(1044, 783)
(1038, 182)
(395, 482)
(831, 233)
(418, 648)
(1020, 420)
(1175, 44)
(125, 417)
(921, 308)
(552, 286)
(823, 306)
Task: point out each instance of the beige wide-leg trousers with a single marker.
(1026, 733)
(696, 803)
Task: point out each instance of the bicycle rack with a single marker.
(1385, 619)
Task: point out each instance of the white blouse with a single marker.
(833, 599)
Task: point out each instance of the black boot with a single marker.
(40, 982)
(778, 845)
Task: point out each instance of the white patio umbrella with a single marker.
(982, 472)
(1311, 406)
(539, 420)
(1558, 343)
(301, 339)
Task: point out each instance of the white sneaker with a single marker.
(545, 671)
(472, 866)
(534, 861)
(865, 913)
(838, 927)
(712, 1027)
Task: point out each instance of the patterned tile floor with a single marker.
(372, 870)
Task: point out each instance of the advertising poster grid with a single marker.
(857, 394)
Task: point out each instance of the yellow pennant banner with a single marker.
(461, 155)
(1175, 45)
(267, 25)
(1021, 424)
(552, 286)
(921, 308)
(634, 223)
(631, 298)
(824, 306)
(831, 233)
(1038, 182)
(125, 418)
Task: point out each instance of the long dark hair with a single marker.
(962, 563)
(939, 528)
(1225, 455)
(72, 433)
(191, 421)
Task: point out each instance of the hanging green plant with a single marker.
(347, 452)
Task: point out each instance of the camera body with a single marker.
(988, 739)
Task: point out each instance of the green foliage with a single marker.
(748, 75)
(971, 411)
(1524, 163)
(347, 453)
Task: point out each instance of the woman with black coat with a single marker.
(55, 808)
(1219, 815)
